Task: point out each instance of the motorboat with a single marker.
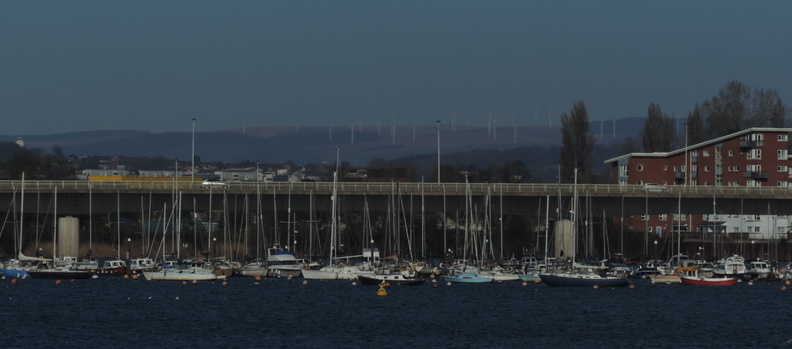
(691, 276)
(759, 270)
(732, 266)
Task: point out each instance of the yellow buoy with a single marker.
(126, 276)
(787, 282)
(382, 291)
(783, 288)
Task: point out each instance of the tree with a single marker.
(695, 127)
(658, 132)
(576, 145)
(736, 107)
(726, 111)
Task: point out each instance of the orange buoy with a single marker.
(382, 291)
(13, 281)
(225, 283)
(58, 282)
(537, 281)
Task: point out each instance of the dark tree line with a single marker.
(35, 163)
(736, 107)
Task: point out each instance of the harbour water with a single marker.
(275, 313)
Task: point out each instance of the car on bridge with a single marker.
(208, 183)
(655, 188)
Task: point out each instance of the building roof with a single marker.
(702, 144)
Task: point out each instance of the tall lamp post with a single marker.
(438, 151)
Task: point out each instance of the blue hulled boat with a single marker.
(467, 278)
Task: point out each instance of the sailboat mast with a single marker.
(547, 226)
(55, 228)
(574, 221)
(118, 224)
(21, 215)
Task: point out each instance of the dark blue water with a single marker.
(285, 313)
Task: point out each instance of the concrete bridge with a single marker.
(78, 197)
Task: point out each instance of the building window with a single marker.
(706, 168)
(663, 217)
(676, 169)
(782, 168)
(665, 167)
(782, 154)
(639, 168)
(734, 184)
(693, 182)
(782, 184)
(705, 153)
(650, 229)
(623, 172)
(753, 183)
(755, 154)
(782, 138)
(643, 217)
(731, 152)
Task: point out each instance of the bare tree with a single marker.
(736, 107)
(658, 132)
(576, 145)
(695, 127)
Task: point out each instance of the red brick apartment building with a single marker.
(752, 157)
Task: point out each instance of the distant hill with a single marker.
(317, 144)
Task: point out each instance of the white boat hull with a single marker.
(182, 275)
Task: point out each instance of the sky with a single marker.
(68, 66)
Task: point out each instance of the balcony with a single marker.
(755, 175)
(679, 175)
(751, 144)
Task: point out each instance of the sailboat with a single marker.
(17, 268)
(55, 271)
(333, 271)
(578, 275)
(188, 270)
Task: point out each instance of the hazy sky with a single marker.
(153, 65)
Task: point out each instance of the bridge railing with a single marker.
(384, 188)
